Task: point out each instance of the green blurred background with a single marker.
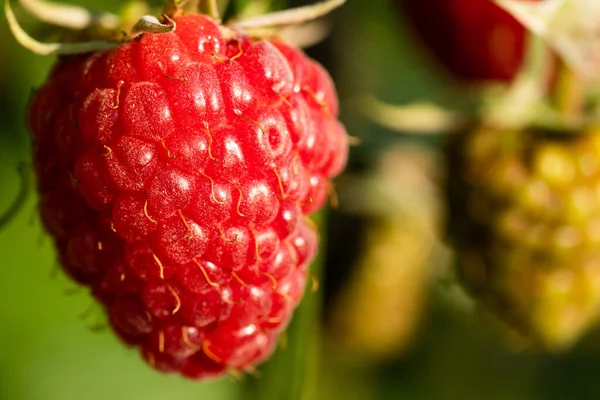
(52, 345)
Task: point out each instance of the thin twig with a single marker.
(69, 16)
(292, 16)
(17, 204)
(45, 49)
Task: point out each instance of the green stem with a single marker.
(292, 372)
(209, 7)
(567, 93)
(213, 9)
(248, 9)
(20, 198)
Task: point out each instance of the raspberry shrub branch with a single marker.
(78, 18)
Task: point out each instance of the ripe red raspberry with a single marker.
(174, 174)
(475, 40)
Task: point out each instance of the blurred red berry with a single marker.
(475, 40)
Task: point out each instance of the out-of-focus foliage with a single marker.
(379, 310)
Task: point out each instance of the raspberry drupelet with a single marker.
(175, 174)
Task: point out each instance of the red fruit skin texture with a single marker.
(475, 40)
(175, 174)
